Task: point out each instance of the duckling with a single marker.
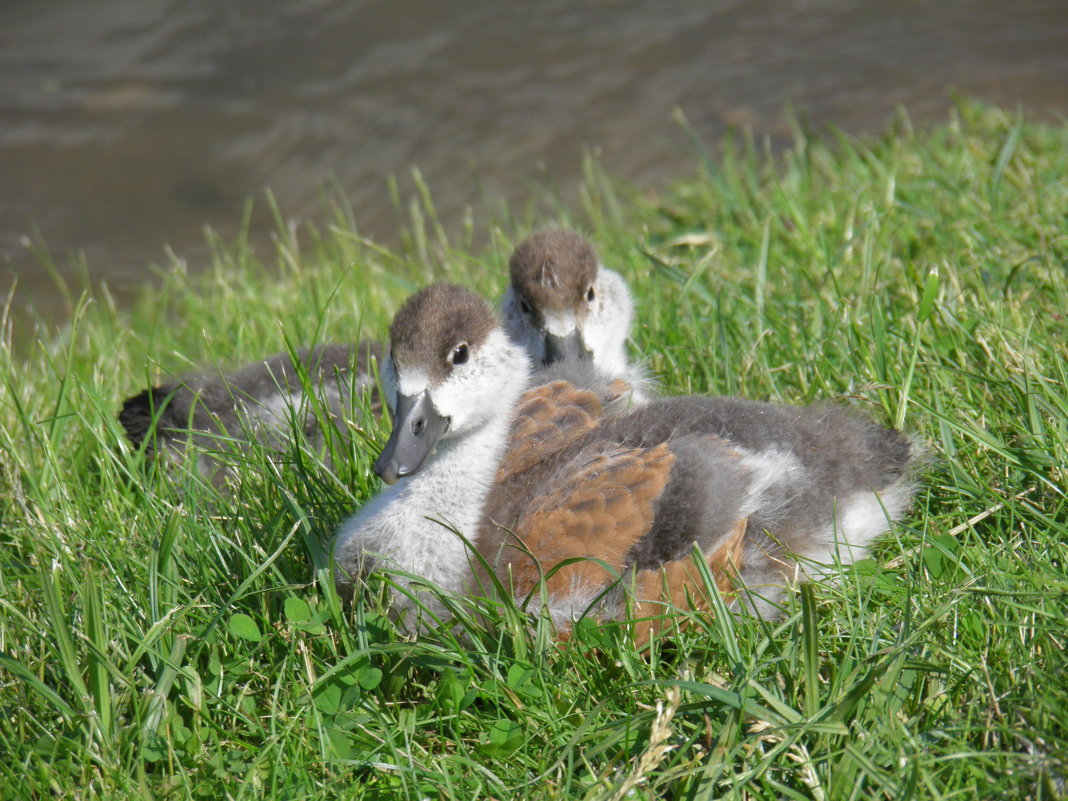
(535, 473)
(563, 304)
(212, 410)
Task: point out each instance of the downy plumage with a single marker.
(218, 411)
(214, 412)
(535, 473)
(562, 304)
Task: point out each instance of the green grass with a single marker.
(162, 642)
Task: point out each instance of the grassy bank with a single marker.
(162, 642)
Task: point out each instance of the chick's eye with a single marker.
(524, 306)
(590, 295)
(459, 354)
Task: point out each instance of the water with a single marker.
(127, 125)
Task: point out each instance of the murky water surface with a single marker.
(128, 124)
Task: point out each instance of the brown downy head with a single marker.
(437, 327)
(553, 275)
(451, 369)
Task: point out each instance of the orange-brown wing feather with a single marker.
(595, 507)
(549, 417)
(679, 584)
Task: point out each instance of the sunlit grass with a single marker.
(159, 639)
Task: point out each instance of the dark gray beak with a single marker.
(563, 349)
(417, 427)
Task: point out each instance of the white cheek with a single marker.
(463, 396)
(454, 400)
(412, 382)
(608, 324)
(615, 298)
(488, 384)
